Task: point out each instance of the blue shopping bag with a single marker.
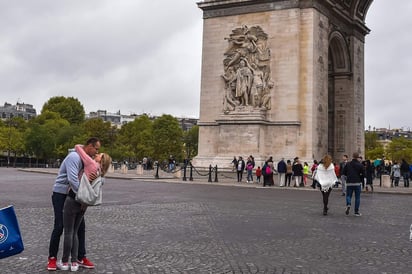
(11, 242)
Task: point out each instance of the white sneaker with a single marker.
(63, 266)
(410, 236)
(74, 267)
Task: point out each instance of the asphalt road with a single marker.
(160, 227)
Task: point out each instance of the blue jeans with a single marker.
(58, 200)
(349, 191)
(249, 175)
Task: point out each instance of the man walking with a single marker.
(354, 173)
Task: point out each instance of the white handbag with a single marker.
(90, 193)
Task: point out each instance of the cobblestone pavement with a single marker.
(153, 226)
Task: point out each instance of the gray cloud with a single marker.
(145, 56)
(387, 95)
(133, 56)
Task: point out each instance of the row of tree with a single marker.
(399, 148)
(62, 124)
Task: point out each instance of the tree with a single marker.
(69, 108)
(400, 148)
(11, 138)
(191, 141)
(43, 135)
(136, 138)
(96, 127)
(167, 138)
(373, 149)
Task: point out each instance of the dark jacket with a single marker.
(354, 172)
(282, 167)
(297, 169)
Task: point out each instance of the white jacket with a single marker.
(326, 177)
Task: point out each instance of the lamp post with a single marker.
(8, 143)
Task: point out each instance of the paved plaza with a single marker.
(157, 226)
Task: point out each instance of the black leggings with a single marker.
(325, 195)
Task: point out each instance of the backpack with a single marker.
(268, 170)
(264, 169)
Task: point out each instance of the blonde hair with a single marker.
(326, 161)
(105, 163)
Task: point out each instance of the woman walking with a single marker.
(326, 177)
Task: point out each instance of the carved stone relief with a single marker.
(247, 71)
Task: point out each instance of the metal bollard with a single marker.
(191, 172)
(157, 171)
(216, 180)
(184, 173)
(210, 174)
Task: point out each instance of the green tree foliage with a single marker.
(191, 139)
(96, 127)
(167, 138)
(373, 149)
(69, 108)
(61, 125)
(136, 138)
(43, 135)
(12, 137)
(400, 148)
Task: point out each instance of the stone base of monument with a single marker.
(223, 164)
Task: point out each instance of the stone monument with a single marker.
(281, 78)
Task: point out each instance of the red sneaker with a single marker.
(86, 263)
(52, 264)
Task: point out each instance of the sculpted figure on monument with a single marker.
(247, 70)
(243, 83)
(230, 102)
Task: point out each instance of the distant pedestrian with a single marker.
(258, 174)
(249, 170)
(240, 168)
(369, 175)
(312, 169)
(343, 176)
(305, 172)
(282, 172)
(297, 169)
(268, 174)
(234, 163)
(289, 172)
(405, 173)
(395, 173)
(354, 173)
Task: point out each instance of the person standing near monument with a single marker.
(405, 173)
(297, 169)
(305, 172)
(240, 168)
(282, 172)
(354, 173)
(289, 173)
(249, 168)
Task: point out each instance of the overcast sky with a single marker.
(141, 56)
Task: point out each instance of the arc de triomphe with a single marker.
(281, 78)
